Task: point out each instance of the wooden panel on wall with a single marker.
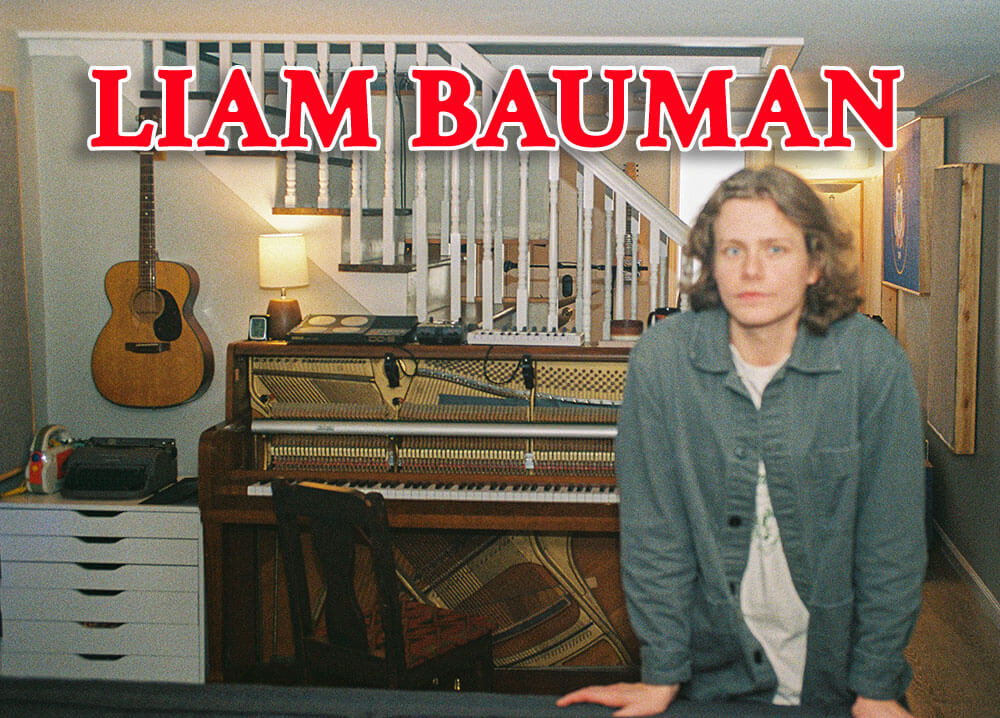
(890, 298)
(956, 233)
(913, 332)
(15, 372)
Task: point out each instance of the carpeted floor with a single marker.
(955, 650)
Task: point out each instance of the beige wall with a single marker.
(972, 124)
(967, 488)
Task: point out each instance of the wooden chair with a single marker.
(395, 642)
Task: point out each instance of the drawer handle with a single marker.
(97, 513)
(98, 592)
(100, 657)
(99, 566)
(99, 624)
(99, 539)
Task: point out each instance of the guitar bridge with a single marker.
(147, 347)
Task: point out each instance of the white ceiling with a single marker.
(941, 45)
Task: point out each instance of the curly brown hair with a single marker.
(834, 296)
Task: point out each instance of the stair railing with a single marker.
(601, 186)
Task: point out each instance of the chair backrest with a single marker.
(338, 520)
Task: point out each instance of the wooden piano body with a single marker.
(497, 467)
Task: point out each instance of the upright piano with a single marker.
(496, 463)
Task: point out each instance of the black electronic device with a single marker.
(440, 333)
(353, 329)
(120, 468)
(257, 331)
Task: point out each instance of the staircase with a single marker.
(557, 241)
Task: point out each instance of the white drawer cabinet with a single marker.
(101, 590)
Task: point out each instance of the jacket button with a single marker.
(734, 587)
(758, 657)
(735, 521)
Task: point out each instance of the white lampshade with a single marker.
(283, 261)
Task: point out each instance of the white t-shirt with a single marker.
(771, 607)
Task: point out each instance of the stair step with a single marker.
(375, 266)
(339, 211)
(300, 156)
(191, 95)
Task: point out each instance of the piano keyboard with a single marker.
(530, 493)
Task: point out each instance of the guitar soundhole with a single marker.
(147, 305)
(159, 307)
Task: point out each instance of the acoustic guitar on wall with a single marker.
(152, 352)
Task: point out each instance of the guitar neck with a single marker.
(147, 223)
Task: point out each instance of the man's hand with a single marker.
(632, 699)
(870, 708)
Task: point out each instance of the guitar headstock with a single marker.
(151, 114)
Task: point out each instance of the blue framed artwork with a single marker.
(907, 185)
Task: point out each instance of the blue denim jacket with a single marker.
(841, 434)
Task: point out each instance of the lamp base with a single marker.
(282, 316)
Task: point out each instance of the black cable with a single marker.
(416, 362)
(486, 374)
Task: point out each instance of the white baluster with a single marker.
(634, 268)
(471, 251)
(553, 315)
(487, 307)
(389, 196)
(192, 56)
(290, 53)
(664, 278)
(445, 233)
(291, 181)
(654, 267)
(157, 60)
(225, 58)
(499, 248)
(364, 181)
(578, 304)
(588, 226)
(523, 261)
(609, 214)
(356, 180)
(455, 241)
(420, 216)
(257, 70)
(291, 187)
(323, 170)
(333, 81)
(619, 256)
(225, 63)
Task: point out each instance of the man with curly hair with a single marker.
(770, 467)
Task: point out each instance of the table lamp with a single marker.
(283, 264)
